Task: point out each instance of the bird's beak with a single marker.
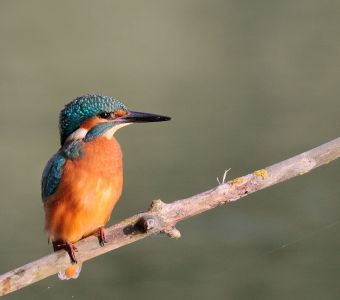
(141, 117)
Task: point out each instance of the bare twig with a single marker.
(162, 218)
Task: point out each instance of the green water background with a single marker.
(248, 83)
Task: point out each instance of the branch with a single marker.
(162, 218)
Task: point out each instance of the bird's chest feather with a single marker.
(88, 191)
(97, 175)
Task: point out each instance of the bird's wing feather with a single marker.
(52, 175)
(53, 171)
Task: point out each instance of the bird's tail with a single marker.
(71, 272)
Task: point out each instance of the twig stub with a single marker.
(148, 222)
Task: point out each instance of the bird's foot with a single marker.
(102, 236)
(71, 249)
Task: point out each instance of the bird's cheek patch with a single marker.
(90, 123)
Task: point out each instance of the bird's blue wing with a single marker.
(52, 175)
(54, 169)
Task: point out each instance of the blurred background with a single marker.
(248, 83)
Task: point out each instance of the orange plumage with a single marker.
(88, 191)
(87, 194)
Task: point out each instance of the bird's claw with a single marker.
(102, 236)
(71, 249)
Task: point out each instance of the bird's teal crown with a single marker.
(83, 108)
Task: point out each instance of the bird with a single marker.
(83, 180)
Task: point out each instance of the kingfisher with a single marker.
(83, 181)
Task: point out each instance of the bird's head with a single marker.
(93, 115)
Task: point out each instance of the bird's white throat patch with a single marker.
(110, 133)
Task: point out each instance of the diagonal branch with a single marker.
(162, 218)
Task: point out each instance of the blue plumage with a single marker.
(83, 108)
(52, 175)
(73, 150)
(54, 169)
(98, 130)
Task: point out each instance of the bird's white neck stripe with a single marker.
(79, 134)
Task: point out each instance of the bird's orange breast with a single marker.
(88, 191)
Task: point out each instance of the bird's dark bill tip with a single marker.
(164, 118)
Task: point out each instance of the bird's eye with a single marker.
(105, 115)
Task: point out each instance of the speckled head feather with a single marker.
(83, 108)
